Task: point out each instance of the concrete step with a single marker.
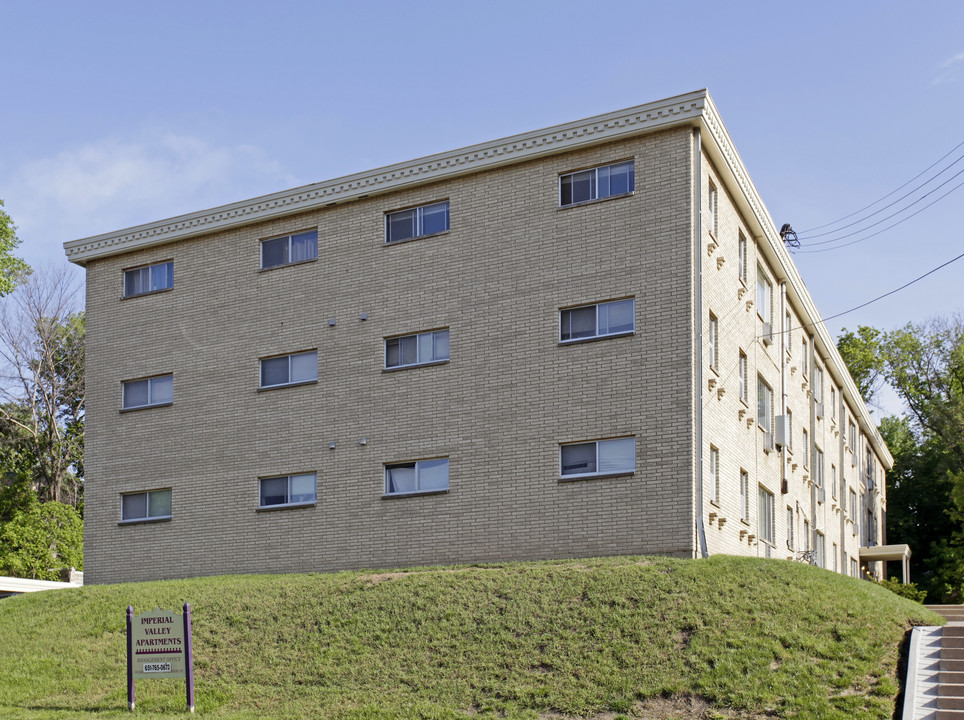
(952, 631)
(951, 690)
(952, 653)
(952, 678)
(952, 641)
(952, 665)
(952, 613)
(950, 703)
(950, 715)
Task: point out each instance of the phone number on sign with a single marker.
(157, 667)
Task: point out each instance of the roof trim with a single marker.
(691, 109)
(680, 110)
(728, 160)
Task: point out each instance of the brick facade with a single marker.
(498, 409)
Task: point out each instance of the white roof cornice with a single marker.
(679, 110)
(694, 109)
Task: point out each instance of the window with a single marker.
(589, 321)
(854, 570)
(714, 342)
(417, 222)
(765, 516)
(289, 369)
(743, 377)
(741, 258)
(420, 349)
(601, 457)
(818, 467)
(744, 495)
(790, 544)
(598, 183)
(833, 403)
(870, 534)
(149, 392)
(871, 467)
(833, 481)
(817, 384)
(806, 536)
(806, 448)
(289, 249)
(711, 210)
(836, 559)
(421, 476)
(789, 438)
(288, 490)
(804, 359)
(819, 550)
(787, 325)
(152, 278)
(764, 295)
(715, 473)
(852, 438)
(764, 404)
(150, 505)
(852, 514)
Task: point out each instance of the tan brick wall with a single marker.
(498, 409)
(730, 424)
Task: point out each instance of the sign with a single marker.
(158, 645)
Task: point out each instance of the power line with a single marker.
(882, 230)
(887, 294)
(823, 321)
(892, 215)
(847, 217)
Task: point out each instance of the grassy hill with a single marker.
(601, 638)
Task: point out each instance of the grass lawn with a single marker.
(601, 638)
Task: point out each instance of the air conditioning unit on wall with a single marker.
(767, 333)
(780, 431)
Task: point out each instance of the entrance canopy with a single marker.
(889, 552)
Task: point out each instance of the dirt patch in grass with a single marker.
(675, 707)
(382, 577)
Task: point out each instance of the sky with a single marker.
(117, 113)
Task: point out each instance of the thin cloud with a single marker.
(111, 184)
(946, 72)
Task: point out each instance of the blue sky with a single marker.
(119, 113)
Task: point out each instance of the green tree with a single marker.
(920, 511)
(924, 364)
(42, 332)
(41, 540)
(13, 270)
(861, 351)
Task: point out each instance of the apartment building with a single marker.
(583, 340)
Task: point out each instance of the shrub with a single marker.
(41, 540)
(910, 590)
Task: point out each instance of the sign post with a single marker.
(130, 659)
(159, 646)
